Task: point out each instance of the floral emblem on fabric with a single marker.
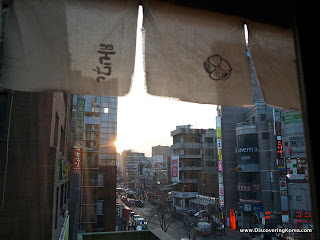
(217, 67)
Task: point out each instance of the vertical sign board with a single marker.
(220, 165)
(80, 118)
(77, 158)
(220, 169)
(175, 169)
(281, 168)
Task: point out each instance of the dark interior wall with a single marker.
(26, 213)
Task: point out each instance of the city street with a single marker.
(178, 231)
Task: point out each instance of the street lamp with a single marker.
(305, 191)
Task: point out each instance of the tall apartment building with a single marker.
(133, 162)
(35, 165)
(97, 178)
(194, 154)
(160, 150)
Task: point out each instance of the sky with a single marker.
(145, 120)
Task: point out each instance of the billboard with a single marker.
(175, 169)
(291, 116)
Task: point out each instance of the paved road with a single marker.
(177, 229)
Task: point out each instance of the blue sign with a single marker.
(247, 207)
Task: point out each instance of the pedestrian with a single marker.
(223, 230)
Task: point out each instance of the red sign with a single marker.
(279, 149)
(175, 167)
(77, 157)
(267, 213)
(303, 214)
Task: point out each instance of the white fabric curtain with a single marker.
(79, 46)
(273, 56)
(196, 55)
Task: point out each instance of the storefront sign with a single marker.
(247, 207)
(219, 143)
(220, 169)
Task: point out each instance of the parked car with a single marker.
(141, 222)
(191, 212)
(136, 217)
(132, 213)
(201, 212)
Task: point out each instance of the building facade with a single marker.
(193, 157)
(96, 133)
(297, 187)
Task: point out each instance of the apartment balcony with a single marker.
(186, 145)
(185, 131)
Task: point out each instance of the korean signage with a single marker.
(302, 214)
(219, 143)
(175, 169)
(77, 159)
(248, 187)
(218, 122)
(221, 192)
(105, 51)
(220, 169)
(247, 207)
(220, 165)
(80, 118)
(297, 168)
(279, 147)
(219, 132)
(290, 116)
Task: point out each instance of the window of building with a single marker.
(298, 198)
(209, 139)
(265, 135)
(263, 117)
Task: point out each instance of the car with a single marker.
(141, 222)
(136, 217)
(191, 212)
(201, 212)
(132, 213)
